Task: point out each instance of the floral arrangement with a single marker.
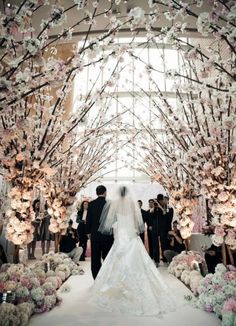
(33, 287)
(217, 293)
(185, 267)
(229, 312)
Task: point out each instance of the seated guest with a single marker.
(68, 244)
(176, 244)
(212, 258)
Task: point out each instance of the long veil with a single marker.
(125, 205)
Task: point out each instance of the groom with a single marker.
(100, 243)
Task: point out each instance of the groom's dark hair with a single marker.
(100, 190)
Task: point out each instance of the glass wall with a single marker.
(132, 94)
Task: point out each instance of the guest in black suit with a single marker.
(169, 213)
(149, 222)
(81, 220)
(163, 224)
(144, 216)
(159, 229)
(100, 243)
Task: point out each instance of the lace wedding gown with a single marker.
(128, 281)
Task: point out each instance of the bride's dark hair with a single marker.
(123, 191)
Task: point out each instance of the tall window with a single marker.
(130, 93)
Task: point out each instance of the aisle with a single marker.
(74, 310)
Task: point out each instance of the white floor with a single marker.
(74, 309)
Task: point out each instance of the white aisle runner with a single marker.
(74, 309)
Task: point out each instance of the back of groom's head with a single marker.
(100, 190)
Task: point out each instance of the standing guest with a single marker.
(81, 220)
(45, 234)
(149, 222)
(176, 245)
(3, 257)
(36, 224)
(144, 217)
(160, 229)
(68, 243)
(163, 222)
(169, 213)
(155, 239)
(100, 243)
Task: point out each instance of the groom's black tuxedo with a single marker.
(100, 243)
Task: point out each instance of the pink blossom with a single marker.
(230, 305)
(232, 268)
(231, 234)
(229, 276)
(208, 307)
(217, 288)
(223, 196)
(219, 231)
(25, 281)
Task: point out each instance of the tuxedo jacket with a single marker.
(144, 215)
(160, 222)
(93, 220)
(150, 217)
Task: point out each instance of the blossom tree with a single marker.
(202, 124)
(34, 86)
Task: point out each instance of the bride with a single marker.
(128, 281)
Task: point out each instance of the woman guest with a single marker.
(45, 234)
(81, 220)
(36, 223)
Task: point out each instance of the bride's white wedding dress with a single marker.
(129, 281)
